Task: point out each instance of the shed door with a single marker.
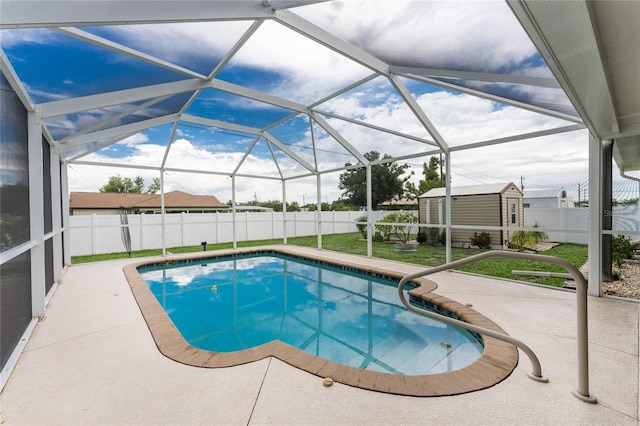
(513, 214)
(513, 218)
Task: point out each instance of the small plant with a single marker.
(421, 238)
(432, 236)
(616, 275)
(621, 249)
(443, 237)
(527, 240)
(362, 227)
(378, 238)
(402, 230)
(482, 240)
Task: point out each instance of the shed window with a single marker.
(513, 213)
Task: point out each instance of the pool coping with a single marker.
(497, 362)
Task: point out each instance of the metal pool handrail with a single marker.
(582, 391)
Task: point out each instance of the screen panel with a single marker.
(15, 302)
(14, 169)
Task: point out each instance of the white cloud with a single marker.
(183, 41)
(134, 140)
(482, 35)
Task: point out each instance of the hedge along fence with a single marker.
(98, 234)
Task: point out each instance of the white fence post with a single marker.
(142, 233)
(217, 225)
(182, 232)
(94, 237)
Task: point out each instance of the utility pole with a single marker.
(521, 183)
(579, 203)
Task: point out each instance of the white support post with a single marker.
(595, 216)
(369, 214)
(56, 216)
(233, 211)
(163, 213)
(36, 216)
(319, 210)
(66, 240)
(448, 205)
(284, 212)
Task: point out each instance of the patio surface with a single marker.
(92, 360)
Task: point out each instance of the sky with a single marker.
(479, 36)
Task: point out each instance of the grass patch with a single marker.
(353, 243)
(501, 267)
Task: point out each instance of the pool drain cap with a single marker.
(328, 381)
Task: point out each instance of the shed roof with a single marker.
(544, 193)
(490, 188)
(173, 199)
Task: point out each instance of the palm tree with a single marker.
(528, 240)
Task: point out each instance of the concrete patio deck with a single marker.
(92, 360)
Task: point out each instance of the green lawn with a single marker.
(426, 255)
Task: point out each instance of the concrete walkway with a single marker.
(93, 361)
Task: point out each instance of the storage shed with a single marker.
(547, 199)
(499, 204)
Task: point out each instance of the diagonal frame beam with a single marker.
(102, 100)
(287, 151)
(418, 112)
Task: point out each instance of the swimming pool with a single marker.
(236, 303)
(496, 362)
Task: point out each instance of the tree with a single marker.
(126, 185)
(432, 178)
(386, 181)
(154, 188)
(313, 207)
(402, 232)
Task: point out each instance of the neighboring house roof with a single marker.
(544, 193)
(491, 188)
(110, 200)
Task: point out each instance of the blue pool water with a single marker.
(234, 303)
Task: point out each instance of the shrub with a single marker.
(401, 231)
(433, 236)
(378, 238)
(482, 240)
(443, 237)
(421, 238)
(621, 249)
(527, 240)
(384, 230)
(362, 227)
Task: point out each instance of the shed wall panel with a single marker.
(481, 209)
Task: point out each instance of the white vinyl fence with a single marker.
(570, 225)
(97, 234)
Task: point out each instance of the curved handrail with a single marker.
(582, 391)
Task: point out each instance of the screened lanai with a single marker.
(232, 94)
